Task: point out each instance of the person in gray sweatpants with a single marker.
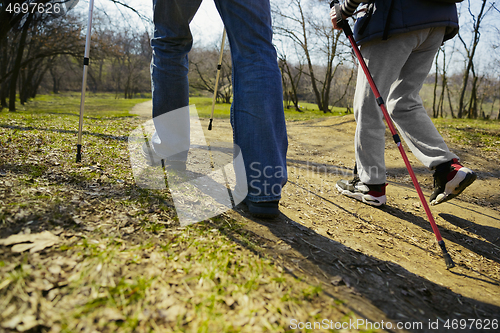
(398, 40)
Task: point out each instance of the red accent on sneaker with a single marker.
(456, 166)
(377, 193)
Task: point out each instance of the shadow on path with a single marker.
(371, 287)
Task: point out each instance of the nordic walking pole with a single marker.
(219, 66)
(348, 32)
(86, 61)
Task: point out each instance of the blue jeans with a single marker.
(257, 115)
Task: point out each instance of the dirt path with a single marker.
(383, 262)
(143, 109)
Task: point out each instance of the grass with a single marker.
(96, 104)
(484, 134)
(123, 263)
(311, 111)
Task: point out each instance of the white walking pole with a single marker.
(219, 66)
(86, 61)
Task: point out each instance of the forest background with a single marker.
(42, 53)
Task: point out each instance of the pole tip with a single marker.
(449, 262)
(447, 258)
(210, 125)
(78, 153)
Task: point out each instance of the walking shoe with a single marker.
(450, 179)
(370, 194)
(149, 154)
(265, 209)
(153, 159)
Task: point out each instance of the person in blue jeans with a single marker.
(257, 115)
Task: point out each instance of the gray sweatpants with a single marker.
(399, 67)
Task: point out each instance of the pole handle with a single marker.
(341, 23)
(335, 4)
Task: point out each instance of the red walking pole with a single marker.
(348, 32)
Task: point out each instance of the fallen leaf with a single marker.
(10, 310)
(32, 242)
(18, 248)
(55, 269)
(29, 321)
(174, 312)
(5, 283)
(111, 314)
(42, 284)
(229, 301)
(12, 322)
(337, 280)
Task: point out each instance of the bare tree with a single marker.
(40, 38)
(14, 12)
(32, 39)
(496, 73)
(130, 62)
(290, 76)
(4, 60)
(434, 95)
(344, 87)
(470, 54)
(441, 78)
(314, 36)
(203, 69)
(17, 64)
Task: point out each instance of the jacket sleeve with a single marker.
(349, 6)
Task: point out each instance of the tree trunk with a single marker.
(3, 72)
(23, 86)
(472, 113)
(330, 71)
(99, 79)
(313, 81)
(3, 98)
(284, 84)
(435, 110)
(37, 80)
(444, 86)
(17, 65)
(305, 47)
(465, 78)
(449, 102)
(493, 106)
(55, 81)
(292, 94)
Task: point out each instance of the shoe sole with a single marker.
(366, 198)
(154, 163)
(265, 216)
(260, 212)
(457, 185)
(150, 159)
(162, 163)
